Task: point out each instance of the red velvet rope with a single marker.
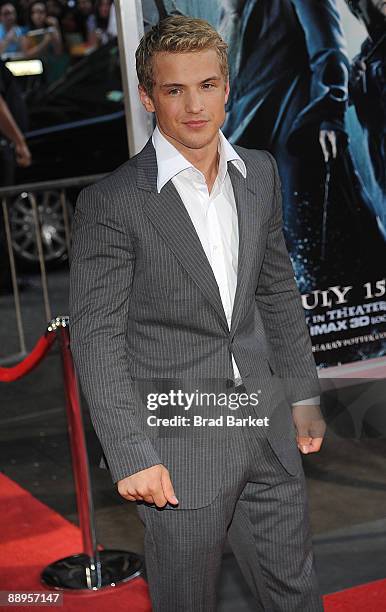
(40, 349)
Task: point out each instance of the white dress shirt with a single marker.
(214, 214)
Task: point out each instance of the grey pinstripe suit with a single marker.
(145, 307)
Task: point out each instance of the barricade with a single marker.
(28, 192)
(92, 569)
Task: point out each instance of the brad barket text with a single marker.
(198, 421)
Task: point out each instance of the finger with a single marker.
(127, 495)
(148, 499)
(315, 445)
(160, 499)
(303, 443)
(167, 488)
(304, 438)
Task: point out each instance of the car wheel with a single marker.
(52, 228)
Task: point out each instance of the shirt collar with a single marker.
(171, 162)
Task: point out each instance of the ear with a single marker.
(146, 99)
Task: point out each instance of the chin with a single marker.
(199, 140)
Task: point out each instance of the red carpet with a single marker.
(32, 536)
(369, 597)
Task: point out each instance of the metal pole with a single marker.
(16, 295)
(77, 181)
(92, 569)
(78, 445)
(42, 262)
(63, 202)
(26, 191)
(130, 31)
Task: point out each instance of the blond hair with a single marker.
(177, 34)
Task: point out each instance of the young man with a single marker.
(180, 281)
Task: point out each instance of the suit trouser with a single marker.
(262, 510)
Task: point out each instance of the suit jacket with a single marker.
(146, 313)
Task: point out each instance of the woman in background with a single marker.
(97, 24)
(10, 31)
(44, 41)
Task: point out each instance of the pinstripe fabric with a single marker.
(145, 306)
(263, 511)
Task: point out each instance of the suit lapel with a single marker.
(168, 214)
(248, 220)
(171, 219)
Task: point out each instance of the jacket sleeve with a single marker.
(279, 302)
(101, 275)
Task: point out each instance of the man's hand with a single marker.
(310, 426)
(328, 142)
(152, 485)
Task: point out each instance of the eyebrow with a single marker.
(211, 78)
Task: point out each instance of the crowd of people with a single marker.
(56, 31)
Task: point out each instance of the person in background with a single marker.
(13, 151)
(47, 44)
(368, 84)
(290, 96)
(98, 26)
(50, 41)
(10, 31)
(72, 30)
(22, 6)
(55, 9)
(85, 17)
(112, 25)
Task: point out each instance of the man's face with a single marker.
(189, 96)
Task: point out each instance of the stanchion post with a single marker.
(78, 446)
(42, 262)
(92, 569)
(16, 295)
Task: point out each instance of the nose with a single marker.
(194, 103)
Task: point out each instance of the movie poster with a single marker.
(308, 84)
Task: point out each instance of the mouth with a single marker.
(195, 124)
